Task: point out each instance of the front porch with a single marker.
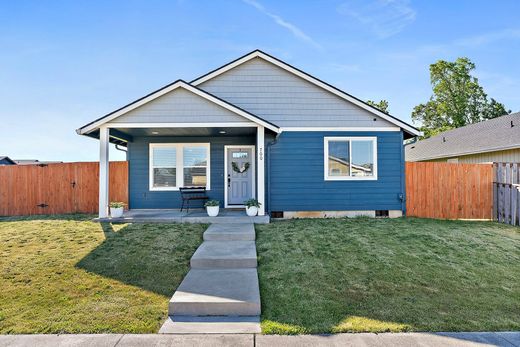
(176, 216)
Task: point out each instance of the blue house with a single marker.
(260, 128)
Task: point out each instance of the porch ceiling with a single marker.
(232, 131)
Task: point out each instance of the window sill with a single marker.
(351, 178)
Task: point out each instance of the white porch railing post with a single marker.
(261, 169)
(104, 134)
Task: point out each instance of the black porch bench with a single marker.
(192, 193)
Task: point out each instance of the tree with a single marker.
(381, 105)
(457, 100)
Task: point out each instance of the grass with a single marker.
(66, 274)
(376, 275)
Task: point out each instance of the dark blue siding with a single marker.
(138, 153)
(297, 179)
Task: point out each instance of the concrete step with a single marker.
(222, 292)
(224, 254)
(211, 325)
(230, 232)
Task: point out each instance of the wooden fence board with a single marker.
(64, 188)
(449, 191)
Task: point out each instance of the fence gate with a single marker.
(57, 188)
(506, 193)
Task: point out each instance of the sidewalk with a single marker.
(509, 339)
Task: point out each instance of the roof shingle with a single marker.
(488, 136)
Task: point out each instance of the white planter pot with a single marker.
(252, 211)
(212, 210)
(116, 212)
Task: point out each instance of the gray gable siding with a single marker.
(285, 99)
(180, 106)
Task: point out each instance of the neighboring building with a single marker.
(258, 128)
(494, 140)
(34, 162)
(4, 160)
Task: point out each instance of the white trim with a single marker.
(183, 125)
(341, 129)
(253, 188)
(260, 139)
(104, 165)
(161, 92)
(326, 140)
(179, 165)
(258, 54)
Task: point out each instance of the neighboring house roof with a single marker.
(92, 127)
(5, 160)
(492, 135)
(34, 162)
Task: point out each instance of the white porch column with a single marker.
(260, 186)
(104, 134)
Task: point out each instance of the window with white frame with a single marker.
(174, 165)
(350, 158)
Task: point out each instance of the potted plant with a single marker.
(212, 207)
(116, 209)
(252, 206)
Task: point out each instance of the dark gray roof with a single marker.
(5, 159)
(487, 136)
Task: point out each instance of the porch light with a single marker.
(155, 132)
(222, 132)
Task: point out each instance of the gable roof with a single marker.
(259, 54)
(94, 125)
(6, 158)
(496, 134)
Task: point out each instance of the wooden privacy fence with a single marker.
(449, 191)
(58, 188)
(506, 193)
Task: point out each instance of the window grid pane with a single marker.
(362, 158)
(339, 158)
(164, 177)
(165, 157)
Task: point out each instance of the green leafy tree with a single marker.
(381, 105)
(457, 100)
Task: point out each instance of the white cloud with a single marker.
(384, 18)
(297, 32)
(487, 38)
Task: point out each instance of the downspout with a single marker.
(269, 145)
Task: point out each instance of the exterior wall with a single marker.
(297, 178)
(140, 197)
(508, 156)
(287, 100)
(179, 106)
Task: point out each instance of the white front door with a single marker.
(240, 174)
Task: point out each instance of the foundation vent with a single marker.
(276, 214)
(382, 214)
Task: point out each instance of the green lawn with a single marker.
(66, 274)
(321, 276)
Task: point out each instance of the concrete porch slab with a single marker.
(224, 254)
(226, 292)
(176, 216)
(230, 232)
(211, 325)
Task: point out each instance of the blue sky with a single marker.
(65, 63)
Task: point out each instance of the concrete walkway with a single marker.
(220, 294)
(505, 339)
